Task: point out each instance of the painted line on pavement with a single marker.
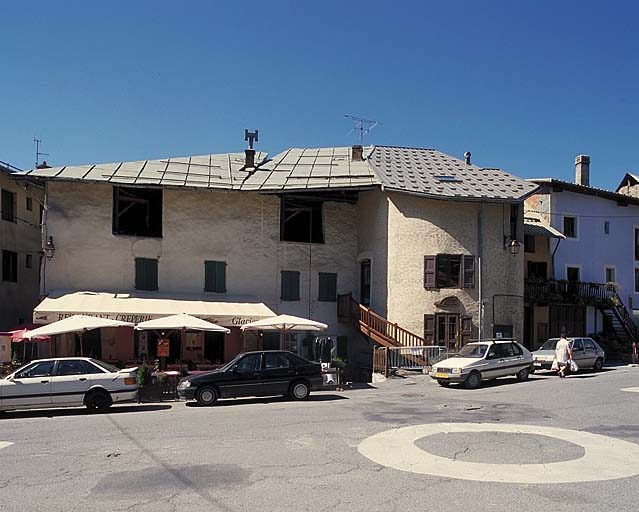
(4, 444)
(630, 390)
(605, 458)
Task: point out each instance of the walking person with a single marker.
(563, 353)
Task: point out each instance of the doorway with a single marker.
(214, 347)
(447, 330)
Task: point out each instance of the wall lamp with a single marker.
(49, 249)
(513, 246)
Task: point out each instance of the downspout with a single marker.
(43, 239)
(479, 261)
(552, 257)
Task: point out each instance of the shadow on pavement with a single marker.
(80, 411)
(268, 400)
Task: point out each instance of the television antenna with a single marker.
(38, 153)
(363, 126)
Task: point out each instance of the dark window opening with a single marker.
(137, 212)
(301, 221)
(636, 244)
(8, 206)
(290, 285)
(572, 274)
(570, 227)
(365, 283)
(449, 271)
(146, 274)
(529, 243)
(29, 204)
(215, 276)
(606, 227)
(10, 266)
(537, 269)
(514, 220)
(327, 287)
(28, 261)
(637, 280)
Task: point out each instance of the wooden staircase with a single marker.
(618, 318)
(374, 326)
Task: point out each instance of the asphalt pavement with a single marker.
(405, 444)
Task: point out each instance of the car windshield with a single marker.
(231, 363)
(473, 350)
(108, 367)
(550, 344)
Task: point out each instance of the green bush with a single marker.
(143, 376)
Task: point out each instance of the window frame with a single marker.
(578, 267)
(529, 243)
(466, 277)
(213, 269)
(11, 269)
(302, 205)
(156, 195)
(608, 268)
(8, 206)
(575, 227)
(288, 293)
(28, 261)
(139, 285)
(29, 204)
(327, 296)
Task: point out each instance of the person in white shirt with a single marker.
(563, 353)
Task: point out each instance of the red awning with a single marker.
(17, 336)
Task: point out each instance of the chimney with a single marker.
(467, 157)
(582, 170)
(357, 153)
(43, 165)
(250, 158)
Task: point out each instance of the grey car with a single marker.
(585, 351)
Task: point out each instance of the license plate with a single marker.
(441, 375)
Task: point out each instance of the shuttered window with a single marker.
(8, 200)
(449, 271)
(429, 329)
(327, 287)
(10, 266)
(215, 276)
(290, 285)
(146, 274)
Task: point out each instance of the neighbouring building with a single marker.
(416, 238)
(586, 281)
(21, 202)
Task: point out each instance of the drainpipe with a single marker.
(552, 257)
(479, 261)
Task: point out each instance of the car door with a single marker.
(495, 362)
(70, 382)
(244, 378)
(518, 360)
(578, 352)
(590, 350)
(29, 387)
(276, 373)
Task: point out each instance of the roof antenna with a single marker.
(363, 126)
(38, 154)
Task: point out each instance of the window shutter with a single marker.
(220, 277)
(290, 285)
(215, 276)
(146, 274)
(429, 272)
(327, 287)
(429, 329)
(466, 328)
(468, 272)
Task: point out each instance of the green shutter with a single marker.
(327, 287)
(290, 285)
(146, 274)
(215, 276)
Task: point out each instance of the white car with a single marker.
(484, 360)
(67, 382)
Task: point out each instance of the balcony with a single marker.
(569, 292)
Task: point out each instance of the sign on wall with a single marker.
(163, 347)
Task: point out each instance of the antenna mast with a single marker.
(363, 126)
(38, 154)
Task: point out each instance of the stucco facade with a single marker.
(20, 239)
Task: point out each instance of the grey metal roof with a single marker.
(432, 173)
(419, 171)
(534, 225)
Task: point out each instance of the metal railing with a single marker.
(570, 292)
(387, 360)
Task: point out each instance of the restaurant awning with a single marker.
(285, 323)
(139, 307)
(181, 321)
(75, 323)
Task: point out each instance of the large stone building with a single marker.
(21, 205)
(418, 236)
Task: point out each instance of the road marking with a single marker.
(4, 444)
(630, 390)
(605, 458)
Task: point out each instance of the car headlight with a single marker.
(184, 384)
(456, 370)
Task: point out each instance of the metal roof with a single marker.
(424, 172)
(559, 185)
(535, 225)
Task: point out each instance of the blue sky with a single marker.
(523, 87)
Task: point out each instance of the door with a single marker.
(365, 283)
(276, 374)
(447, 331)
(245, 378)
(31, 387)
(71, 381)
(582, 357)
(495, 362)
(591, 351)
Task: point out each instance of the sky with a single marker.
(523, 86)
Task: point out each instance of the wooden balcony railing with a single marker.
(568, 292)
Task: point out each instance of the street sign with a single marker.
(163, 347)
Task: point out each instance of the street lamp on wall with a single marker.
(49, 249)
(513, 246)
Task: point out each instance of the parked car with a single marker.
(585, 351)
(67, 382)
(267, 373)
(484, 360)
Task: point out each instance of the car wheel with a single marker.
(598, 364)
(98, 400)
(522, 375)
(531, 371)
(443, 383)
(299, 390)
(473, 381)
(206, 395)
